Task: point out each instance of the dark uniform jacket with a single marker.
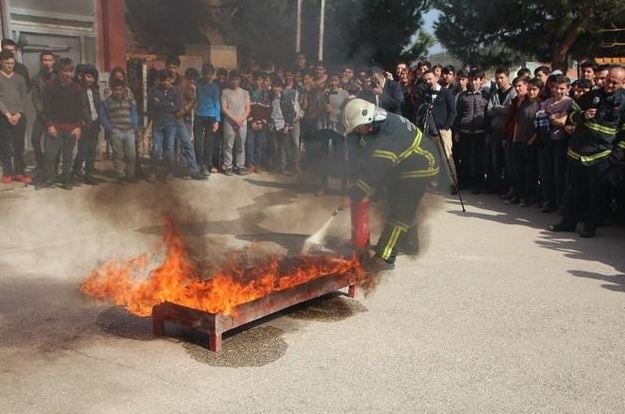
(596, 139)
(397, 151)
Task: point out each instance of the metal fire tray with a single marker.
(215, 324)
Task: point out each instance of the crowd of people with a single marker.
(533, 138)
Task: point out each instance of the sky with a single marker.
(429, 18)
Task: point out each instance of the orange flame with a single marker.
(178, 279)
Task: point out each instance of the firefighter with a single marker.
(596, 149)
(397, 157)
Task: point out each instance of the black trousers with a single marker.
(204, 141)
(36, 140)
(87, 148)
(585, 193)
(403, 199)
(12, 146)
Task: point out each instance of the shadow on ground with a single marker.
(606, 247)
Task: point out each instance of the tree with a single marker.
(508, 30)
(362, 31)
(163, 26)
(379, 31)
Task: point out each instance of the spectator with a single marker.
(447, 79)
(542, 72)
(208, 117)
(300, 62)
(588, 69)
(554, 141)
(40, 81)
(471, 132)
(10, 46)
(524, 148)
(13, 97)
(438, 70)
(291, 149)
(258, 122)
(119, 118)
(164, 103)
(440, 113)
(64, 110)
(88, 143)
(524, 73)
(332, 136)
(186, 90)
(580, 87)
(235, 105)
(600, 75)
(497, 113)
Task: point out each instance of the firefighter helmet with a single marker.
(357, 112)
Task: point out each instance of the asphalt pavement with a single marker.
(494, 315)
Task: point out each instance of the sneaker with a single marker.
(213, 170)
(66, 185)
(44, 184)
(377, 264)
(228, 172)
(204, 170)
(200, 176)
(243, 171)
(24, 179)
(259, 169)
(7, 179)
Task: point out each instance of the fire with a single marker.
(178, 278)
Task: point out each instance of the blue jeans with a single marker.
(164, 140)
(186, 146)
(255, 147)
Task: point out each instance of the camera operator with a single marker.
(437, 115)
(383, 92)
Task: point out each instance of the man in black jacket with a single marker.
(384, 92)
(438, 113)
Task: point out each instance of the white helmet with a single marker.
(357, 112)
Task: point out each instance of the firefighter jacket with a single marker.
(596, 139)
(396, 151)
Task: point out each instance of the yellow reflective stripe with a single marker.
(573, 154)
(412, 148)
(430, 172)
(621, 144)
(588, 159)
(622, 127)
(600, 128)
(385, 154)
(364, 187)
(392, 241)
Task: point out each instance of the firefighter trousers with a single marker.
(403, 198)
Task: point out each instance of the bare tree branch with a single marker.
(612, 44)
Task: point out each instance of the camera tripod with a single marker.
(429, 125)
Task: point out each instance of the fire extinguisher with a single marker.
(360, 225)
